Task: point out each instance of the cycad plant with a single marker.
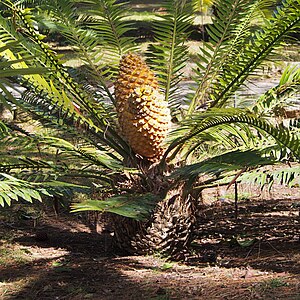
(122, 128)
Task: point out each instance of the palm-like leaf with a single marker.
(197, 123)
(277, 98)
(289, 176)
(55, 154)
(106, 18)
(14, 189)
(133, 206)
(72, 93)
(236, 52)
(169, 54)
(222, 164)
(95, 34)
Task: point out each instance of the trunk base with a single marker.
(168, 232)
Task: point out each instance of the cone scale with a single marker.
(143, 114)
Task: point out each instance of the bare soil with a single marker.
(253, 256)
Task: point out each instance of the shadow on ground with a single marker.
(265, 235)
(251, 257)
(77, 265)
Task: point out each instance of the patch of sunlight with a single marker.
(142, 17)
(74, 63)
(47, 253)
(194, 46)
(11, 254)
(148, 17)
(202, 20)
(17, 254)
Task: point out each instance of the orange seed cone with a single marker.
(143, 114)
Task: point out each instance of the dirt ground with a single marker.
(253, 256)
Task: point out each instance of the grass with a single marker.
(161, 297)
(242, 196)
(269, 286)
(268, 289)
(164, 267)
(12, 254)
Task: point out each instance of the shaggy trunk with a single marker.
(168, 231)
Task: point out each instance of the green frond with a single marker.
(28, 3)
(85, 42)
(236, 51)
(14, 58)
(85, 152)
(197, 123)
(6, 96)
(14, 189)
(47, 169)
(14, 62)
(74, 122)
(38, 158)
(106, 18)
(202, 5)
(168, 55)
(261, 44)
(55, 150)
(66, 81)
(228, 32)
(277, 98)
(222, 164)
(54, 115)
(218, 139)
(289, 176)
(63, 94)
(135, 206)
(3, 129)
